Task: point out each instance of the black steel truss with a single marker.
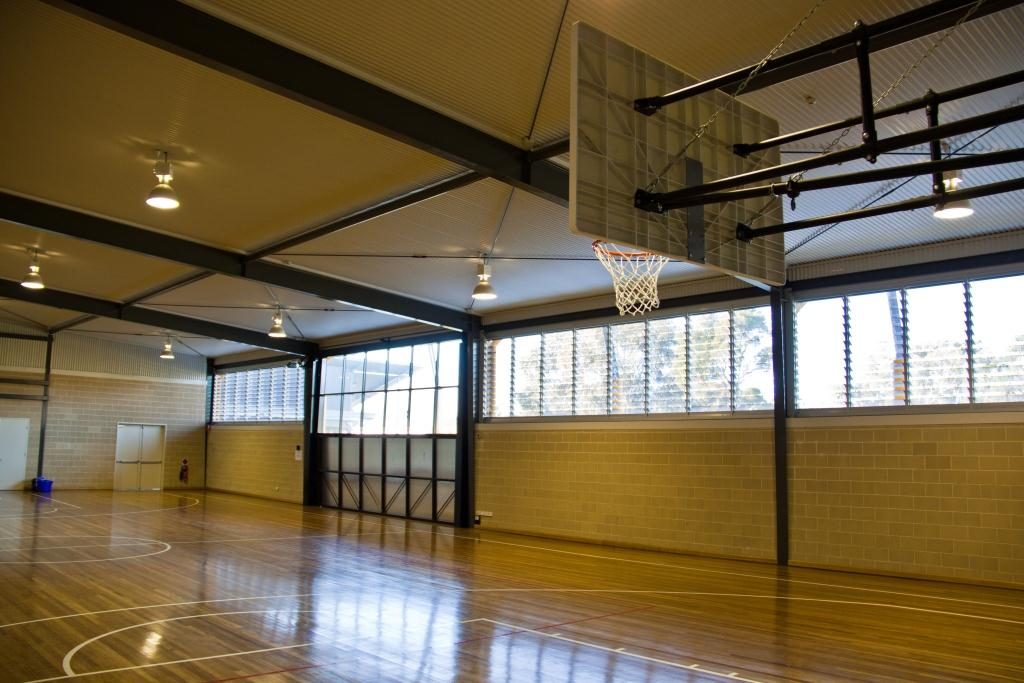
(229, 49)
(112, 309)
(51, 218)
(901, 28)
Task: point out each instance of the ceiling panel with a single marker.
(251, 305)
(249, 166)
(153, 338)
(82, 267)
(480, 62)
(26, 314)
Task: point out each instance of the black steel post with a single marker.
(935, 146)
(310, 464)
(464, 489)
(779, 344)
(867, 98)
(44, 409)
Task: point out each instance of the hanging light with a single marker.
(168, 352)
(484, 291)
(277, 328)
(952, 208)
(163, 195)
(32, 279)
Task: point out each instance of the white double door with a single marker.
(13, 452)
(139, 459)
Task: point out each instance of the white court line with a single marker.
(74, 547)
(195, 501)
(741, 595)
(54, 500)
(148, 541)
(178, 661)
(675, 665)
(66, 664)
(728, 573)
(29, 514)
(157, 606)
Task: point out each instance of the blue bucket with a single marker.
(44, 485)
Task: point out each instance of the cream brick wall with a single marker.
(256, 460)
(697, 490)
(941, 501)
(81, 427)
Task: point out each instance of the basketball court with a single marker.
(539, 341)
(373, 598)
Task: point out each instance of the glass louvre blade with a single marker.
(498, 379)
(526, 375)
(820, 354)
(627, 368)
(937, 344)
(591, 371)
(557, 368)
(666, 352)
(752, 359)
(709, 362)
(998, 339)
(877, 363)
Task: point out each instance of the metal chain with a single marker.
(699, 133)
(797, 177)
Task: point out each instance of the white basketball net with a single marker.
(635, 275)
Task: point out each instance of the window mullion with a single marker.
(847, 360)
(969, 312)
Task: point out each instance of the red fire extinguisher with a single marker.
(183, 472)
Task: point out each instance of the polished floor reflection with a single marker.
(203, 586)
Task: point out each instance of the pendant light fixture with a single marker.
(168, 352)
(163, 195)
(32, 279)
(951, 207)
(277, 328)
(484, 291)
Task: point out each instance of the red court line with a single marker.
(265, 673)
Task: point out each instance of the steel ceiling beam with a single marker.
(112, 309)
(229, 49)
(56, 219)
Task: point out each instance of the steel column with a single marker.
(780, 341)
(464, 449)
(48, 363)
(310, 464)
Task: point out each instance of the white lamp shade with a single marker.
(33, 280)
(163, 197)
(956, 208)
(484, 291)
(277, 329)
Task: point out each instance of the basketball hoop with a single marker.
(635, 275)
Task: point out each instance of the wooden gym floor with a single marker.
(200, 586)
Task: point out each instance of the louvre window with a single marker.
(267, 394)
(708, 362)
(946, 344)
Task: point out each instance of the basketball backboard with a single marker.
(615, 150)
